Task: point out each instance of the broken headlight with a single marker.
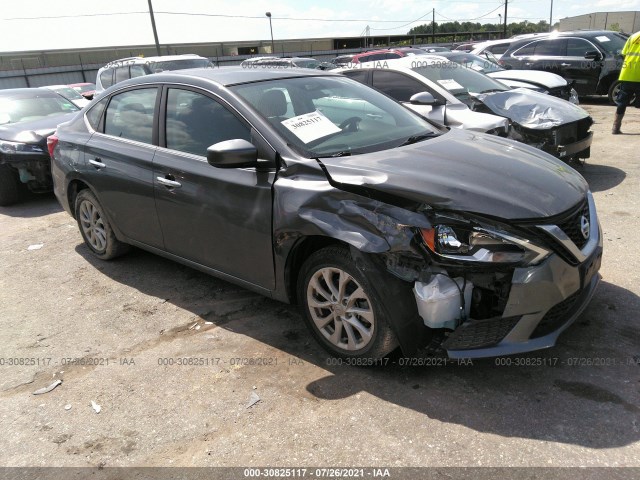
(472, 243)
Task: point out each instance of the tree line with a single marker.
(515, 28)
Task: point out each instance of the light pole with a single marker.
(551, 17)
(153, 25)
(273, 48)
(499, 19)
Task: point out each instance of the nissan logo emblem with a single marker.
(585, 227)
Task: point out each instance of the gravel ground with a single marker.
(118, 333)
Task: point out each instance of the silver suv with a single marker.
(126, 68)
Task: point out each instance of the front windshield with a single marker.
(611, 42)
(179, 64)
(333, 116)
(460, 81)
(28, 108)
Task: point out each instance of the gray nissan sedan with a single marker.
(309, 187)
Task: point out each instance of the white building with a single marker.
(627, 22)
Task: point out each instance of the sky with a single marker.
(58, 24)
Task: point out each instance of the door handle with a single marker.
(97, 163)
(528, 64)
(168, 182)
(565, 64)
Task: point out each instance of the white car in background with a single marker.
(495, 47)
(70, 94)
(453, 95)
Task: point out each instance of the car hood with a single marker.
(33, 131)
(543, 79)
(465, 171)
(531, 109)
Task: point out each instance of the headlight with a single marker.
(12, 148)
(469, 243)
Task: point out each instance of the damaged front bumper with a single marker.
(542, 302)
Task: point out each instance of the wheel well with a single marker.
(303, 248)
(72, 192)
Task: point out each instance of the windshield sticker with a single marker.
(450, 84)
(603, 39)
(310, 126)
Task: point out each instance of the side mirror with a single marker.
(233, 154)
(593, 55)
(425, 98)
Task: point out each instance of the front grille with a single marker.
(555, 317)
(480, 333)
(572, 225)
(572, 132)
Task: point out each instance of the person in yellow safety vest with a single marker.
(629, 79)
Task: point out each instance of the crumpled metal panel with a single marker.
(532, 109)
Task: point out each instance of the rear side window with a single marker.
(499, 49)
(552, 48)
(357, 75)
(137, 71)
(94, 115)
(397, 85)
(122, 73)
(526, 50)
(195, 122)
(106, 78)
(130, 115)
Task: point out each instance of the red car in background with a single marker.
(87, 90)
(386, 54)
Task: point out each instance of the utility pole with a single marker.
(551, 17)
(506, 2)
(433, 25)
(153, 25)
(273, 48)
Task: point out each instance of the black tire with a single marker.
(342, 335)
(95, 228)
(10, 191)
(613, 93)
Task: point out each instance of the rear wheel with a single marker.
(95, 228)
(341, 307)
(9, 186)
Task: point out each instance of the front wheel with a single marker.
(341, 307)
(95, 228)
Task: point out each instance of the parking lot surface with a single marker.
(189, 370)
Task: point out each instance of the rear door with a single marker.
(119, 164)
(219, 218)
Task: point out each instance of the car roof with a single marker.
(227, 76)
(18, 92)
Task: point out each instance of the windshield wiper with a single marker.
(491, 90)
(418, 138)
(343, 153)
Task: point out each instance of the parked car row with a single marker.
(589, 60)
(386, 226)
(453, 95)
